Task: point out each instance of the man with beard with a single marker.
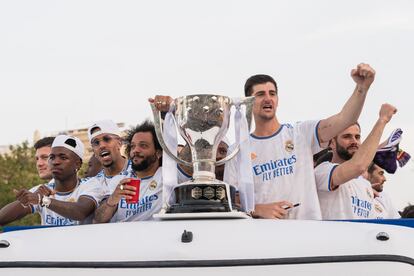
(383, 206)
(343, 192)
(281, 154)
(43, 148)
(145, 154)
(65, 200)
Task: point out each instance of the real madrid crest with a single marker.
(153, 185)
(289, 147)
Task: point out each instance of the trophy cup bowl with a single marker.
(202, 120)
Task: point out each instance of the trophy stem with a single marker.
(204, 170)
(202, 121)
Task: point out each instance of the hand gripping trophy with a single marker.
(202, 121)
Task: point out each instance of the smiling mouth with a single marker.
(137, 158)
(104, 154)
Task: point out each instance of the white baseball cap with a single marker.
(73, 144)
(105, 126)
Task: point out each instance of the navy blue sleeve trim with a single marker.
(316, 134)
(183, 172)
(330, 178)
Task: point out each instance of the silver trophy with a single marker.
(202, 120)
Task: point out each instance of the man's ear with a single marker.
(332, 143)
(120, 142)
(159, 154)
(78, 164)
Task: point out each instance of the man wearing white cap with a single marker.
(106, 143)
(63, 201)
(145, 153)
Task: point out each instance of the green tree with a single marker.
(17, 171)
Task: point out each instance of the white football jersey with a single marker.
(100, 182)
(149, 201)
(351, 200)
(51, 218)
(384, 208)
(182, 175)
(282, 167)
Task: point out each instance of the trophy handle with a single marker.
(248, 102)
(158, 130)
(228, 157)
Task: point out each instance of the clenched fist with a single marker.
(363, 75)
(386, 112)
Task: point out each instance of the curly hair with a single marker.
(146, 126)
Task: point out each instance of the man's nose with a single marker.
(267, 97)
(354, 140)
(102, 145)
(136, 150)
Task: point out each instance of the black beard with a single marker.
(343, 153)
(144, 164)
(378, 188)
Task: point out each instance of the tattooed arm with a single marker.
(105, 211)
(363, 76)
(108, 207)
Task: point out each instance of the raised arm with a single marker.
(363, 157)
(363, 76)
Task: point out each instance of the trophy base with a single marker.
(191, 197)
(208, 215)
(197, 206)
